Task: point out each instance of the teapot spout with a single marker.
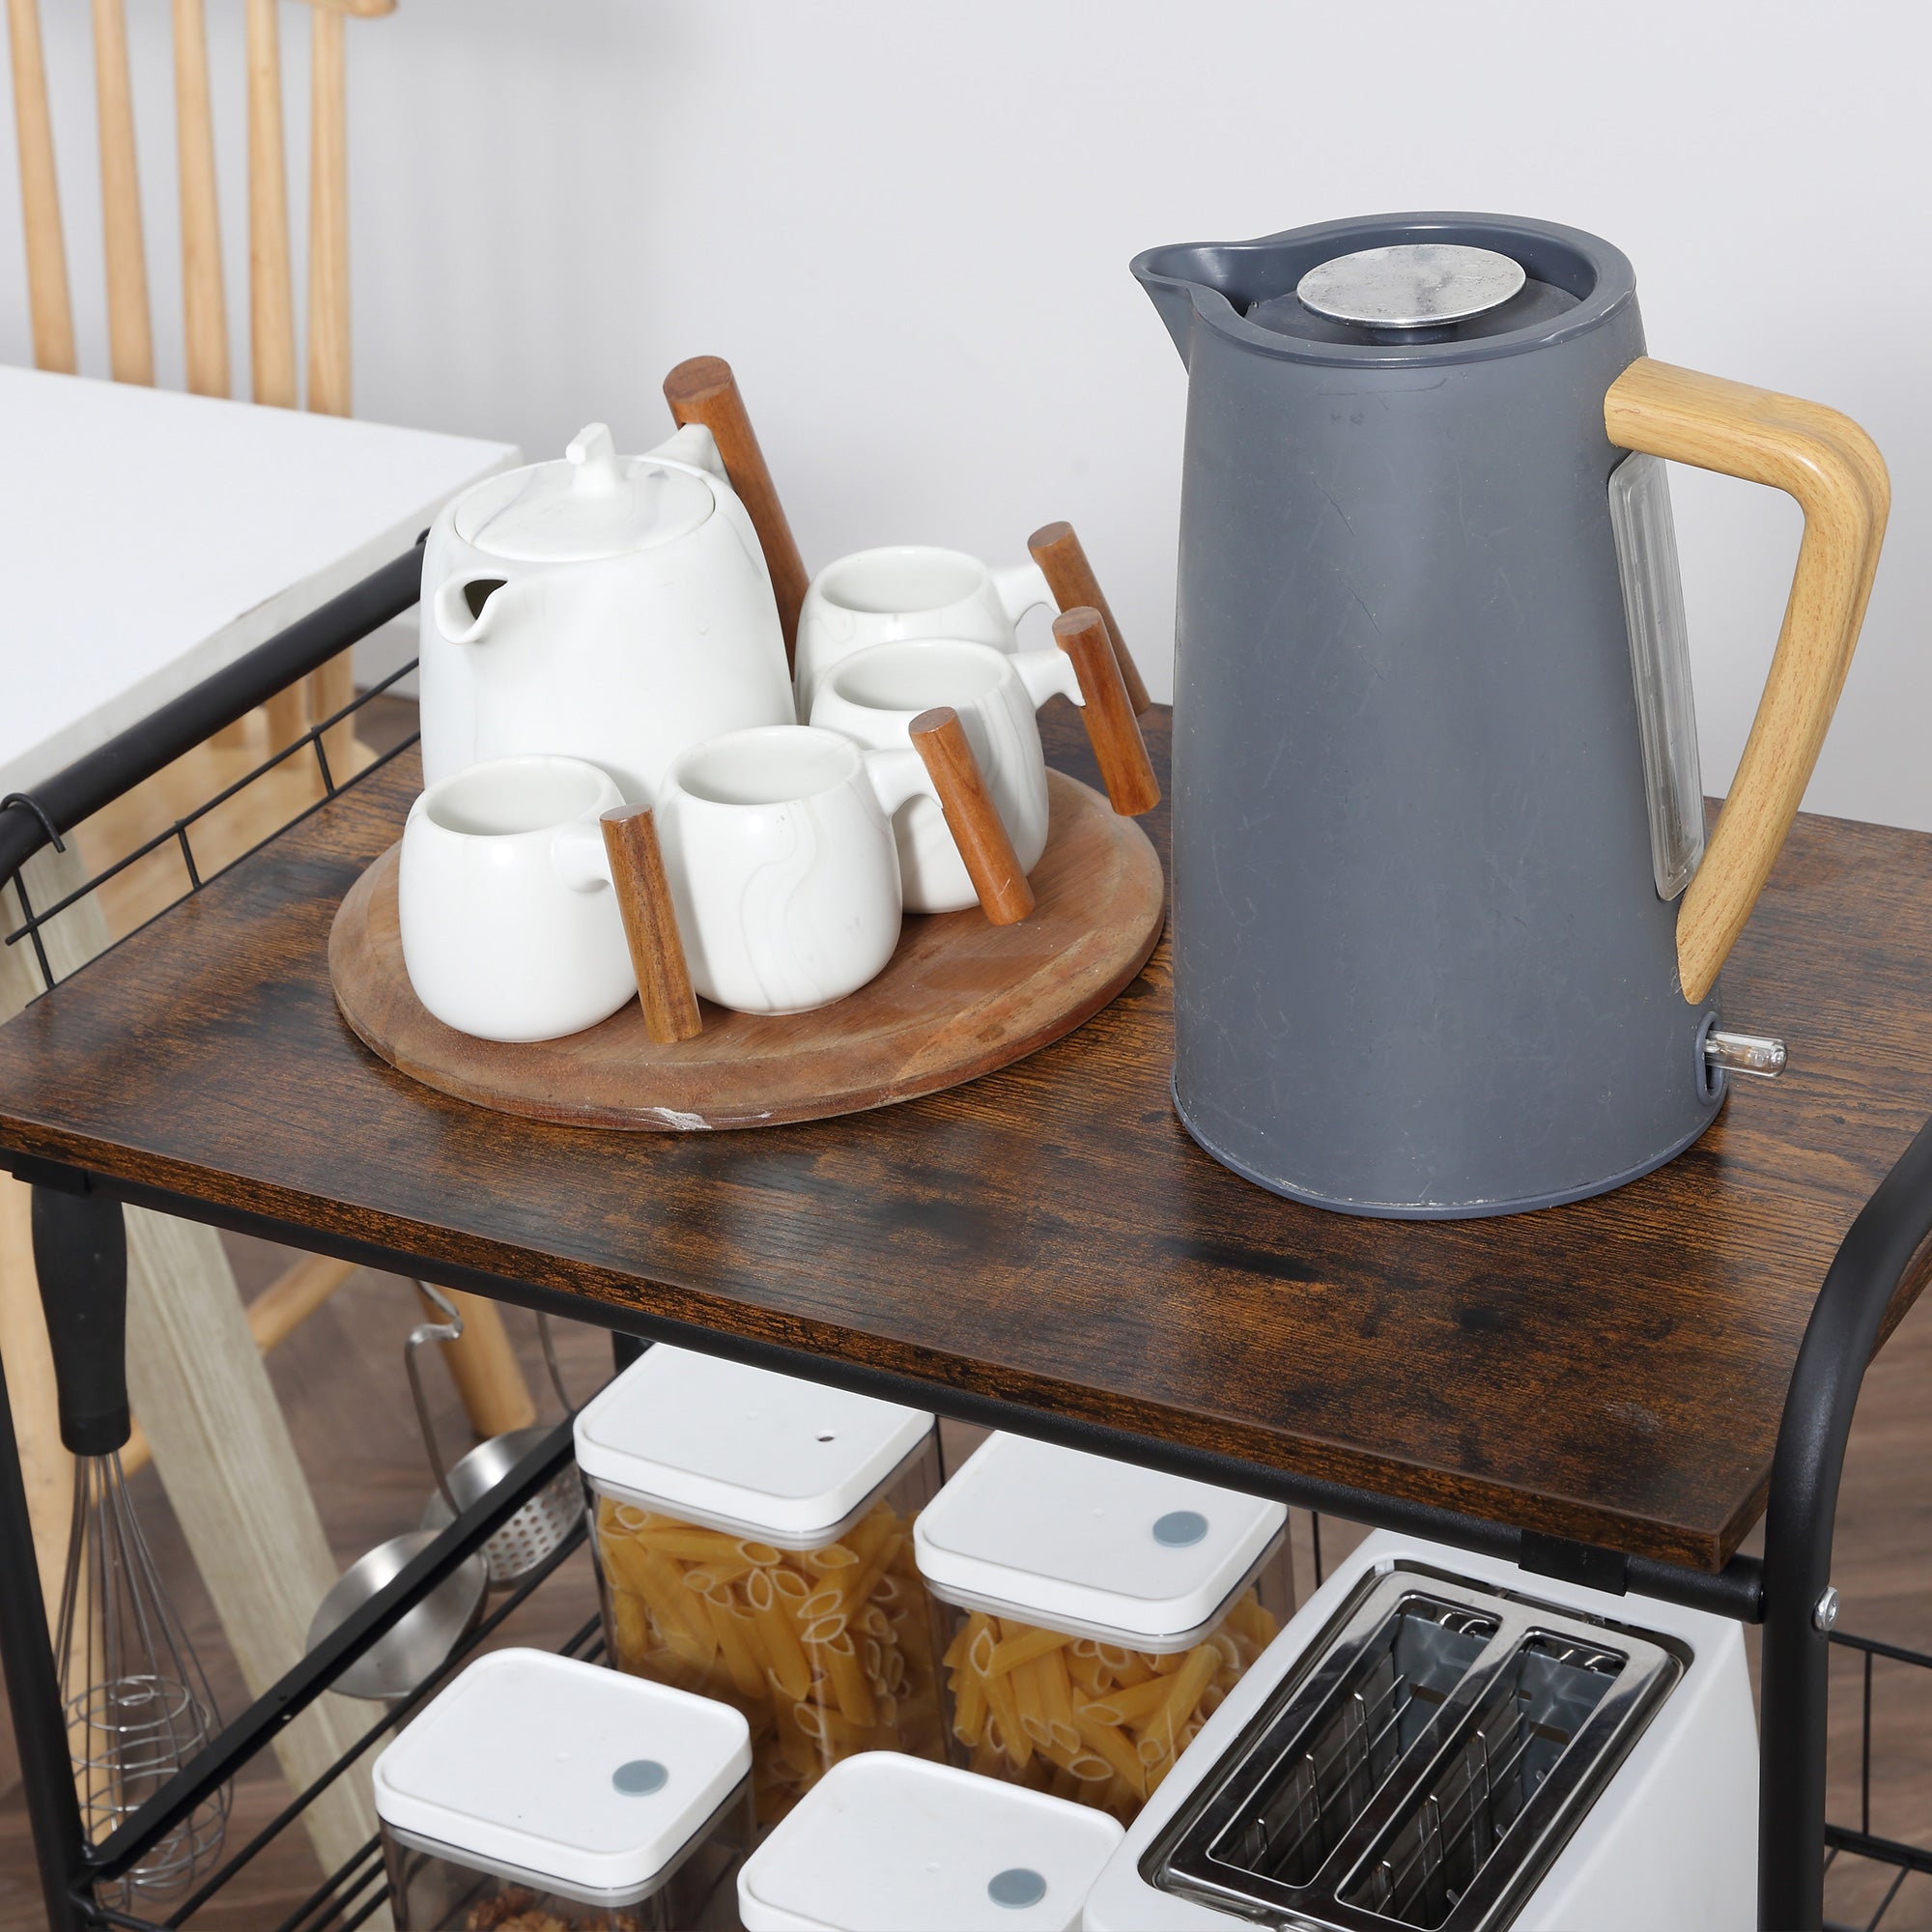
(468, 606)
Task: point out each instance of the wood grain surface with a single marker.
(131, 342)
(1833, 470)
(204, 302)
(960, 998)
(1108, 710)
(272, 301)
(49, 302)
(1057, 548)
(980, 833)
(644, 901)
(1048, 1234)
(704, 390)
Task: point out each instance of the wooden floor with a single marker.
(341, 1382)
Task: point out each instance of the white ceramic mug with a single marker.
(510, 927)
(783, 872)
(909, 590)
(873, 695)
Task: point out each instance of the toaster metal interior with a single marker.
(1422, 1766)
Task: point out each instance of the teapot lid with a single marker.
(594, 503)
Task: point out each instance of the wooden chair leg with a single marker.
(485, 1369)
(287, 713)
(329, 688)
(273, 1317)
(49, 302)
(196, 1379)
(222, 1445)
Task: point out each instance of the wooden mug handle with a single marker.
(704, 390)
(971, 815)
(650, 924)
(1833, 470)
(1108, 712)
(1062, 563)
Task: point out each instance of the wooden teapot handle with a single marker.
(650, 924)
(1071, 580)
(1833, 470)
(704, 390)
(1108, 712)
(971, 815)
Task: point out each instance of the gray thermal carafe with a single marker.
(1436, 789)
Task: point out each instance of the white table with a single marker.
(148, 538)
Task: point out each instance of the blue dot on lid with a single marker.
(1016, 1887)
(640, 1777)
(1177, 1528)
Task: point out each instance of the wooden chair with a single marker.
(272, 289)
(183, 1296)
(494, 1388)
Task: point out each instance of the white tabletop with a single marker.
(148, 538)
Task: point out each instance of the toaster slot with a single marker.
(1448, 1832)
(1301, 1806)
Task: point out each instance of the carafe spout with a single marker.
(1172, 293)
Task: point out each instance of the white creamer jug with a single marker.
(609, 607)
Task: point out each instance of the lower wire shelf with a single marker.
(359, 1888)
(1861, 1843)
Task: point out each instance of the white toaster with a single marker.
(1443, 1741)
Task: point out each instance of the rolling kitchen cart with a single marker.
(1612, 1392)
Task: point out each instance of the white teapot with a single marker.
(609, 607)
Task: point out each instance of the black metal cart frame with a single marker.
(1788, 1591)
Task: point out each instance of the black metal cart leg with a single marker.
(1795, 1687)
(1840, 1340)
(27, 1653)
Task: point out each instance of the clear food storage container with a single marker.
(753, 1543)
(539, 1794)
(892, 1841)
(1102, 1613)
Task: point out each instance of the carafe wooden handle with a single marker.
(650, 924)
(1071, 580)
(1108, 712)
(703, 390)
(971, 815)
(1831, 465)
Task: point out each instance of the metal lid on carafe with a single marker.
(1416, 285)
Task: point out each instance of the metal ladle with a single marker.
(549, 1516)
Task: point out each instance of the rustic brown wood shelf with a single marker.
(1048, 1237)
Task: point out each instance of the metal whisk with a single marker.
(137, 1702)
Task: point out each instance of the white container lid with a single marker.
(742, 1449)
(594, 503)
(885, 1843)
(542, 1767)
(1088, 1544)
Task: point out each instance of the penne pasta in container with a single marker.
(1100, 1613)
(754, 1537)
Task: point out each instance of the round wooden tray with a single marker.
(960, 998)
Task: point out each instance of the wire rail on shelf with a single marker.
(33, 923)
(1863, 1842)
(356, 1888)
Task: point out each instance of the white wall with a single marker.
(908, 226)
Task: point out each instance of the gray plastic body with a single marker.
(1421, 965)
